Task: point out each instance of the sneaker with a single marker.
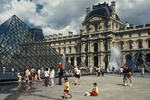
(130, 84)
(125, 84)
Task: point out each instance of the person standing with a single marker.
(143, 70)
(52, 75)
(26, 75)
(33, 73)
(98, 69)
(46, 73)
(113, 69)
(39, 75)
(121, 70)
(60, 72)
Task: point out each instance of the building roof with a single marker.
(103, 10)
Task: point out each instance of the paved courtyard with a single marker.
(110, 88)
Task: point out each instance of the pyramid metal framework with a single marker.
(21, 47)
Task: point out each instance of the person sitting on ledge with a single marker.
(94, 91)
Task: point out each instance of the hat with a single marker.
(65, 78)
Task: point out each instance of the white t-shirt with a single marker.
(78, 72)
(46, 73)
(142, 70)
(39, 71)
(52, 74)
(76, 69)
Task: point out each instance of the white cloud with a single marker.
(61, 16)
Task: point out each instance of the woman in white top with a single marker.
(39, 74)
(52, 76)
(46, 73)
(143, 70)
(78, 75)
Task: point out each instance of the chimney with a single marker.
(70, 33)
(87, 10)
(127, 24)
(113, 6)
(60, 34)
(55, 35)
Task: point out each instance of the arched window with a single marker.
(64, 50)
(105, 26)
(130, 44)
(140, 43)
(139, 34)
(130, 35)
(121, 45)
(87, 28)
(59, 50)
(149, 43)
(70, 49)
(95, 47)
(96, 27)
(86, 61)
(128, 57)
(96, 61)
(86, 47)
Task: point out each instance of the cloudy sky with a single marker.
(61, 16)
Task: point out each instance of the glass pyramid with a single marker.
(21, 46)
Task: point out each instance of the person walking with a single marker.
(121, 70)
(52, 75)
(39, 75)
(46, 73)
(60, 72)
(67, 88)
(143, 70)
(78, 75)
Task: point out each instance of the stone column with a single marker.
(135, 44)
(83, 47)
(90, 60)
(89, 46)
(69, 59)
(83, 59)
(102, 61)
(145, 44)
(99, 60)
(99, 46)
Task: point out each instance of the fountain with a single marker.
(63, 61)
(115, 59)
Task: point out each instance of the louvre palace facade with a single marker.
(101, 30)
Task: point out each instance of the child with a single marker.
(94, 91)
(66, 88)
(52, 75)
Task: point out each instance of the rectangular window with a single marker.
(130, 35)
(121, 36)
(139, 34)
(149, 43)
(96, 27)
(87, 28)
(148, 33)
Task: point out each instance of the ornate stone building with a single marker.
(102, 29)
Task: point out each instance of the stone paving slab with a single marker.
(110, 88)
